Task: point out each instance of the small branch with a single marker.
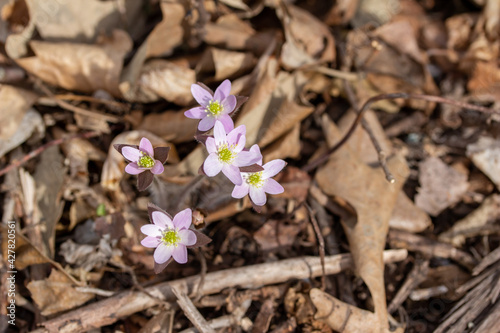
(436, 99)
(108, 311)
(191, 312)
(17, 163)
(321, 242)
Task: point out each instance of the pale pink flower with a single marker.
(144, 161)
(257, 184)
(169, 237)
(213, 107)
(226, 153)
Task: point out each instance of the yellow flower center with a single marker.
(170, 237)
(146, 162)
(214, 108)
(255, 179)
(226, 155)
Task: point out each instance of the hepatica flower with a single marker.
(226, 153)
(257, 184)
(145, 162)
(170, 237)
(213, 107)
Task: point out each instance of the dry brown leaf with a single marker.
(341, 12)
(81, 20)
(162, 78)
(56, 294)
(88, 257)
(288, 146)
(172, 126)
(15, 104)
(343, 317)
(441, 186)
(274, 234)
(114, 166)
(308, 40)
(375, 12)
(288, 115)
(162, 41)
(31, 123)
(367, 190)
(485, 154)
(473, 224)
(80, 67)
(408, 217)
(230, 32)
(231, 63)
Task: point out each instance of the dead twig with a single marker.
(321, 242)
(108, 311)
(191, 312)
(436, 99)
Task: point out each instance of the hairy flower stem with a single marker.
(437, 99)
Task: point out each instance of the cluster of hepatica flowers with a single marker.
(226, 153)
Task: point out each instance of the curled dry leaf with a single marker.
(56, 294)
(231, 63)
(343, 317)
(485, 154)
(441, 186)
(81, 20)
(162, 78)
(80, 67)
(367, 190)
(162, 41)
(31, 123)
(114, 166)
(15, 104)
(86, 256)
(473, 224)
(308, 40)
(287, 146)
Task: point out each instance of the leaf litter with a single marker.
(96, 73)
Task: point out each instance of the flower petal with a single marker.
(200, 95)
(272, 168)
(227, 121)
(273, 187)
(163, 253)
(229, 104)
(133, 169)
(131, 154)
(180, 254)
(196, 113)
(222, 91)
(151, 230)
(206, 124)
(183, 219)
(235, 136)
(220, 134)
(240, 191)
(233, 174)
(162, 220)
(150, 242)
(245, 158)
(210, 144)
(147, 147)
(157, 168)
(258, 196)
(188, 237)
(255, 149)
(212, 165)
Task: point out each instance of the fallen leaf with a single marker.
(15, 103)
(441, 186)
(287, 146)
(86, 256)
(172, 126)
(375, 12)
(373, 198)
(275, 234)
(81, 20)
(308, 40)
(80, 67)
(474, 223)
(56, 294)
(31, 123)
(485, 154)
(231, 63)
(408, 217)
